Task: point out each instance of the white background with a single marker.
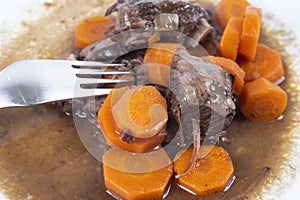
(287, 10)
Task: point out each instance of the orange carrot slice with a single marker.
(92, 30)
(231, 67)
(210, 173)
(150, 183)
(267, 64)
(250, 34)
(124, 139)
(158, 59)
(230, 40)
(141, 110)
(229, 8)
(262, 100)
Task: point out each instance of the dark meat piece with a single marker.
(133, 12)
(201, 30)
(112, 48)
(201, 87)
(86, 105)
(126, 136)
(138, 20)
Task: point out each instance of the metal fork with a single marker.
(31, 82)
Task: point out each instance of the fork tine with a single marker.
(85, 92)
(102, 81)
(93, 64)
(86, 72)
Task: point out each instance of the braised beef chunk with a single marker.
(110, 49)
(201, 87)
(142, 13)
(88, 105)
(188, 18)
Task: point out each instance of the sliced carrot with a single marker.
(150, 180)
(267, 64)
(231, 67)
(210, 174)
(124, 138)
(158, 59)
(262, 100)
(141, 110)
(141, 103)
(229, 8)
(92, 30)
(251, 31)
(230, 40)
(162, 53)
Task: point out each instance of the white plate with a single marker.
(15, 11)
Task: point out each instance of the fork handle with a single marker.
(31, 82)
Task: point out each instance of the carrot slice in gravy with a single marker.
(92, 30)
(229, 8)
(262, 100)
(251, 31)
(267, 64)
(149, 181)
(210, 174)
(158, 59)
(126, 137)
(230, 40)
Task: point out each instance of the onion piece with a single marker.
(167, 21)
